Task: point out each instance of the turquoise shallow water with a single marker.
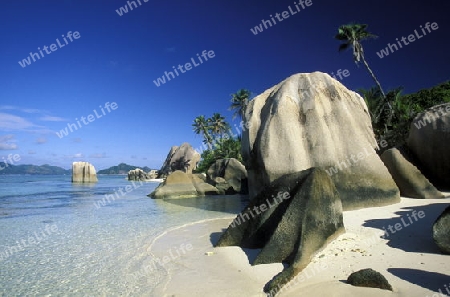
(57, 240)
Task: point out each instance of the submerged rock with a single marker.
(182, 185)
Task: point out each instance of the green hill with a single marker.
(32, 169)
(122, 168)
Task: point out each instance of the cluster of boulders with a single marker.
(310, 153)
(83, 172)
(140, 175)
(423, 162)
(225, 176)
(312, 138)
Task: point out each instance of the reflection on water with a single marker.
(230, 204)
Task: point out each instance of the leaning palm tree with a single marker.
(239, 102)
(351, 35)
(218, 124)
(202, 126)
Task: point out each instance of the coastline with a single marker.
(209, 271)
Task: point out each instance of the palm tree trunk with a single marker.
(207, 138)
(373, 76)
(379, 86)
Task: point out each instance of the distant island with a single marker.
(46, 169)
(122, 168)
(32, 169)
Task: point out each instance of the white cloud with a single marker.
(78, 156)
(48, 118)
(98, 156)
(7, 142)
(41, 140)
(25, 110)
(10, 122)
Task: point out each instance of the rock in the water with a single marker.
(312, 120)
(183, 158)
(233, 173)
(441, 231)
(182, 185)
(140, 175)
(411, 182)
(369, 278)
(83, 172)
(429, 140)
(290, 221)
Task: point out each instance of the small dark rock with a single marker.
(369, 278)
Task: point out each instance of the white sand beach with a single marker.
(407, 257)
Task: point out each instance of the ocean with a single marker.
(64, 239)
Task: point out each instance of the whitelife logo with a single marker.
(411, 38)
(187, 66)
(90, 118)
(53, 48)
(266, 24)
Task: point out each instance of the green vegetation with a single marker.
(239, 103)
(217, 134)
(32, 169)
(122, 168)
(392, 115)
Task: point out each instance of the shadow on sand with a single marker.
(429, 280)
(416, 233)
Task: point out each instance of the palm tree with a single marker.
(202, 126)
(351, 35)
(239, 102)
(218, 125)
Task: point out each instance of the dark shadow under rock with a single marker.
(290, 221)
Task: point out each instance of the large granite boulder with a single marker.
(83, 172)
(441, 231)
(183, 158)
(229, 175)
(312, 120)
(290, 221)
(408, 178)
(183, 185)
(429, 140)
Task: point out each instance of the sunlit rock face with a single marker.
(83, 172)
(312, 120)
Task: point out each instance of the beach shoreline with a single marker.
(369, 242)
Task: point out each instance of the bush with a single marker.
(223, 148)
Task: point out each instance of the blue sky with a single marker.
(117, 58)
